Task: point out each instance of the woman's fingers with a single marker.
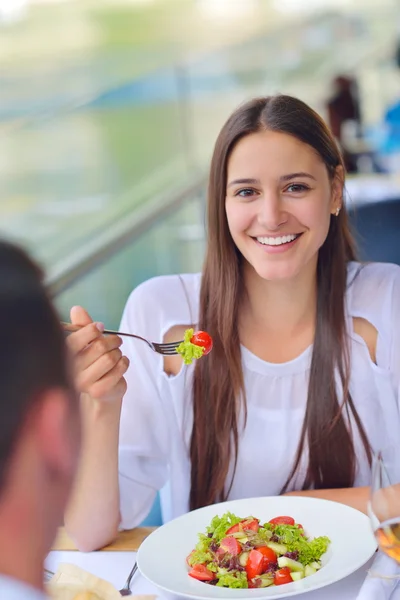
(99, 363)
(98, 348)
(109, 386)
(79, 316)
(80, 340)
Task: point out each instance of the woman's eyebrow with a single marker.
(244, 181)
(294, 175)
(288, 177)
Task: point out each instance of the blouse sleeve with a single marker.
(145, 445)
(144, 441)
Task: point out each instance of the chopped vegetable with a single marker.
(194, 345)
(240, 553)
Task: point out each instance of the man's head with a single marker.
(39, 414)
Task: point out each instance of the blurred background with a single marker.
(109, 110)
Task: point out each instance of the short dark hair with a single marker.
(32, 346)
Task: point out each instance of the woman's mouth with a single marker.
(277, 243)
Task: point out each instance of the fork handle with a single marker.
(70, 328)
(131, 574)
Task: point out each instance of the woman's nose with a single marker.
(271, 216)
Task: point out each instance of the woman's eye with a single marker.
(245, 193)
(297, 187)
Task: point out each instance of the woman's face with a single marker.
(279, 202)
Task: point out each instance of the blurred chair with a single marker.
(377, 230)
(154, 518)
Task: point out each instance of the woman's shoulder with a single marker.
(376, 275)
(373, 286)
(171, 298)
(168, 287)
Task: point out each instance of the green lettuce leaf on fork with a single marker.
(189, 351)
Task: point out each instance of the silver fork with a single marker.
(166, 349)
(47, 575)
(126, 590)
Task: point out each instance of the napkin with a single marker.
(73, 583)
(381, 581)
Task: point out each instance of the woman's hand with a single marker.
(98, 361)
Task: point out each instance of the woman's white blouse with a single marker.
(156, 418)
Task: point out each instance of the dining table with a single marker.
(114, 562)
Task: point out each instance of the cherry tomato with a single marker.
(233, 529)
(282, 576)
(255, 564)
(302, 529)
(202, 338)
(269, 556)
(282, 521)
(201, 573)
(248, 524)
(231, 545)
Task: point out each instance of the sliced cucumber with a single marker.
(294, 565)
(277, 548)
(315, 565)
(239, 535)
(309, 570)
(266, 580)
(243, 558)
(297, 575)
(243, 539)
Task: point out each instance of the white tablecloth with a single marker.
(115, 567)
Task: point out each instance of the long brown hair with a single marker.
(218, 386)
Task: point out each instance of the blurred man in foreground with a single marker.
(39, 426)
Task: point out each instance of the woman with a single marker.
(303, 382)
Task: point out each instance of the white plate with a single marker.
(161, 557)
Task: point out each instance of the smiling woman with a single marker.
(302, 384)
(279, 210)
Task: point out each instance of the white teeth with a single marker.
(276, 241)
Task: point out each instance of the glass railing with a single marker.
(174, 244)
(84, 144)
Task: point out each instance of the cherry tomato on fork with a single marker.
(203, 339)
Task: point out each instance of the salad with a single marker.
(194, 345)
(242, 553)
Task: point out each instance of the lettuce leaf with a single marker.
(238, 579)
(189, 351)
(309, 550)
(219, 525)
(201, 553)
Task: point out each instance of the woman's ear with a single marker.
(337, 190)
